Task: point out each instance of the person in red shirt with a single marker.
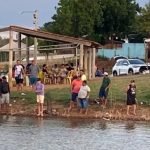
(75, 87)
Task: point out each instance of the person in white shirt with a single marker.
(83, 96)
(18, 74)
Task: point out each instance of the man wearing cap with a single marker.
(103, 93)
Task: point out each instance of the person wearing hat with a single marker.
(104, 89)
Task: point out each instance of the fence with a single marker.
(130, 50)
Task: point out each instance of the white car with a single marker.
(129, 66)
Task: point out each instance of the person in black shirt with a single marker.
(5, 94)
(131, 97)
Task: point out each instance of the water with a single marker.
(17, 133)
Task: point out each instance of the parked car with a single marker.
(129, 66)
(119, 57)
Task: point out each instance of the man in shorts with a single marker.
(103, 93)
(5, 94)
(18, 74)
(33, 73)
(83, 96)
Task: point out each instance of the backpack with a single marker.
(5, 87)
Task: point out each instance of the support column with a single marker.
(35, 49)
(27, 49)
(90, 64)
(81, 56)
(76, 55)
(10, 57)
(19, 45)
(93, 62)
(85, 61)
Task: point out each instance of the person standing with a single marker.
(39, 90)
(83, 96)
(131, 97)
(5, 94)
(18, 70)
(104, 89)
(33, 73)
(75, 87)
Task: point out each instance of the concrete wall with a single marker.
(130, 50)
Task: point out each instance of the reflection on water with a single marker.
(18, 133)
(130, 125)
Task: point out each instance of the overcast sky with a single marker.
(10, 11)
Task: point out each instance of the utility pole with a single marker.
(35, 22)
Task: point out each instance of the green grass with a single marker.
(117, 91)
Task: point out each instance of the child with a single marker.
(131, 97)
(83, 96)
(5, 93)
(39, 89)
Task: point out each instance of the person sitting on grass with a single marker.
(131, 97)
(83, 96)
(39, 89)
(5, 94)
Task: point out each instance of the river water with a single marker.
(23, 133)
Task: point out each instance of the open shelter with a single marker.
(87, 49)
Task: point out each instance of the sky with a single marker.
(11, 11)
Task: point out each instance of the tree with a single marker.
(119, 17)
(144, 20)
(98, 19)
(76, 17)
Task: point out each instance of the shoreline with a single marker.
(116, 113)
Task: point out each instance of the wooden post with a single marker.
(10, 57)
(35, 49)
(85, 60)
(90, 63)
(81, 56)
(76, 55)
(19, 45)
(93, 62)
(27, 50)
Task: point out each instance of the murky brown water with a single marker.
(17, 133)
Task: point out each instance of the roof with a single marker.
(51, 36)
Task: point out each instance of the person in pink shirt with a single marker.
(75, 88)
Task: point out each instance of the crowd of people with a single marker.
(57, 74)
(80, 91)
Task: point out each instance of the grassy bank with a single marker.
(61, 93)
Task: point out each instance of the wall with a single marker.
(130, 50)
